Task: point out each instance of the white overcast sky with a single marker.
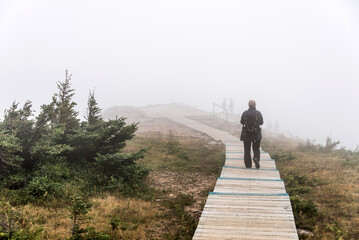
(298, 59)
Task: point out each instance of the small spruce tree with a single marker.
(65, 106)
(93, 111)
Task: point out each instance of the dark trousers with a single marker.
(247, 152)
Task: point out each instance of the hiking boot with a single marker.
(256, 162)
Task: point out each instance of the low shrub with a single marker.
(305, 212)
(12, 224)
(44, 188)
(187, 222)
(283, 156)
(296, 183)
(311, 146)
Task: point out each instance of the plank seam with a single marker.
(253, 169)
(249, 194)
(253, 179)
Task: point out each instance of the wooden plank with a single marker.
(241, 154)
(259, 222)
(249, 186)
(248, 229)
(240, 163)
(242, 185)
(224, 237)
(225, 189)
(249, 232)
(250, 183)
(244, 173)
(255, 204)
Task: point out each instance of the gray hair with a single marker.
(252, 103)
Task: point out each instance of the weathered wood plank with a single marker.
(240, 163)
(244, 173)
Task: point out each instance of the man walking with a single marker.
(251, 134)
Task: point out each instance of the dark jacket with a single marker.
(256, 134)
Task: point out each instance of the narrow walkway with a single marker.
(246, 203)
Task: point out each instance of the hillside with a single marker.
(182, 166)
(323, 181)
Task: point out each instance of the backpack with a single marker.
(251, 121)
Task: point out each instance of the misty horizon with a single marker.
(298, 60)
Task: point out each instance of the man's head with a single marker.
(252, 103)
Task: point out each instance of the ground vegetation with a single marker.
(67, 178)
(323, 184)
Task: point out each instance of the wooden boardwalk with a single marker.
(245, 203)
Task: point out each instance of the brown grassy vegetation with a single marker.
(179, 153)
(323, 184)
(183, 171)
(120, 217)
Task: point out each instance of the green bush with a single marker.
(58, 171)
(311, 146)
(115, 223)
(44, 187)
(119, 171)
(172, 144)
(15, 182)
(78, 210)
(350, 159)
(187, 222)
(296, 183)
(26, 234)
(9, 219)
(56, 149)
(337, 230)
(283, 156)
(305, 212)
(90, 233)
(49, 181)
(11, 225)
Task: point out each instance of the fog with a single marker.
(298, 59)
